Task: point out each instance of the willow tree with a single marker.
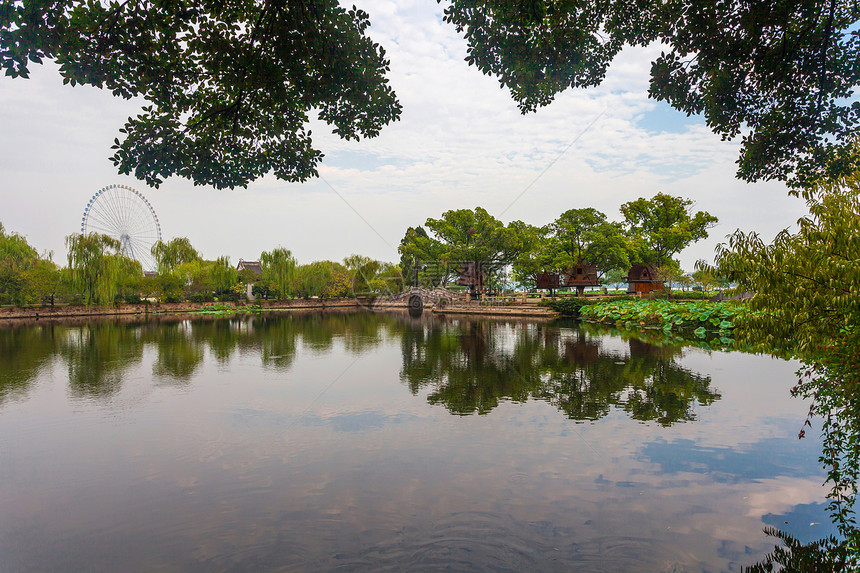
(279, 269)
(170, 255)
(97, 267)
(313, 278)
(224, 276)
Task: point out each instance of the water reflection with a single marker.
(23, 353)
(263, 442)
(180, 352)
(471, 366)
(827, 555)
(98, 354)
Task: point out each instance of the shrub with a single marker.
(568, 306)
(200, 297)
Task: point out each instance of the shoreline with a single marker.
(78, 311)
(36, 314)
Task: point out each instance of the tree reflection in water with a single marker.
(467, 366)
(828, 555)
(98, 356)
(470, 366)
(23, 354)
(99, 353)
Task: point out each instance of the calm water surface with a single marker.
(384, 442)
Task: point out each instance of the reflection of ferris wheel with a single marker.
(124, 214)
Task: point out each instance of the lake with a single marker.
(385, 442)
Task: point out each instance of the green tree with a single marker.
(168, 288)
(338, 282)
(314, 277)
(224, 276)
(806, 302)
(196, 278)
(705, 276)
(615, 277)
(467, 235)
(170, 255)
(389, 279)
(781, 75)
(538, 255)
(247, 276)
(17, 257)
(463, 235)
(669, 274)
(584, 235)
(418, 248)
(98, 267)
(43, 281)
(370, 277)
(475, 235)
(229, 87)
(665, 225)
(148, 287)
(279, 269)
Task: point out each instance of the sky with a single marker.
(461, 143)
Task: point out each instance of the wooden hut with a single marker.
(475, 275)
(547, 280)
(580, 276)
(472, 274)
(642, 280)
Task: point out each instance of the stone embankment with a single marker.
(447, 307)
(176, 307)
(476, 309)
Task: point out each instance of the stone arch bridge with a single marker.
(417, 297)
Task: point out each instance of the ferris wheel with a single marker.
(126, 215)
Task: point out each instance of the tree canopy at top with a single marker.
(781, 73)
(228, 84)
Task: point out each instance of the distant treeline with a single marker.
(97, 272)
(652, 232)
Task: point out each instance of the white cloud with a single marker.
(461, 142)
